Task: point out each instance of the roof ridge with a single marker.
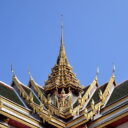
(8, 86)
(21, 83)
(121, 83)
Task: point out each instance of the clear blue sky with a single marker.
(95, 32)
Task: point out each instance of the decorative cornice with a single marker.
(29, 100)
(95, 108)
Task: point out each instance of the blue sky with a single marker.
(95, 32)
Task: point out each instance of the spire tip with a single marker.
(97, 73)
(113, 70)
(13, 73)
(29, 73)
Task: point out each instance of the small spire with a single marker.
(113, 70)
(97, 73)
(13, 73)
(30, 76)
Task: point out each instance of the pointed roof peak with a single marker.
(97, 73)
(62, 58)
(13, 72)
(30, 75)
(113, 70)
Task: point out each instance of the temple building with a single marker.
(62, 102)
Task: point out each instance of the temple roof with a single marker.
(63, 102)
(120, 91)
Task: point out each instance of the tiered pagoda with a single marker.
(63, 102)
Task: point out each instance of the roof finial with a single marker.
(97, 73)
(30, 76)
(13, 73)
(113, 70)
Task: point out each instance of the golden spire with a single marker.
(62, 58)
(30, 75)
(62, 75)
(13, 73)
(113, 70)
(97, 73)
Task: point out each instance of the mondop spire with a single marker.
(62, 75)
(62, 58)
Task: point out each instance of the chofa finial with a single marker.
(97, 73)
(13, 73)
(30, 76)
(113, 70)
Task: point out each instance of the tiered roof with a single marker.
(62, 75)
(56, 104)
